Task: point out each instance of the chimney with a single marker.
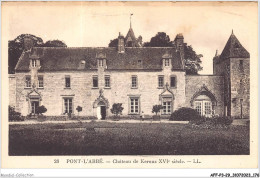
(121, 45)
(179, 42)
(216, 53)
(28, 43)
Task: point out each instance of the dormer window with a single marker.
(34, 62)
(101, 59)
(167, 62)
(100, 63)
(166, 59)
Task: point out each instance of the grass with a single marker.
(103, 138)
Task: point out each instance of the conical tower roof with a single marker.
(131, 35)
(234, 49)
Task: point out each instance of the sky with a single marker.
(206, 26)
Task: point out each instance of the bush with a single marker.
(40, 110)
(222, 120)
(156, 109)
(214, 122)
(13, 115)
(83, 118)
(117, 109)
(79, 109)
(185, 114)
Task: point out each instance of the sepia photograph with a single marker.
(125, 79)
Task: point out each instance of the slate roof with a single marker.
(234, 49)
(59, 58)
(130, 34)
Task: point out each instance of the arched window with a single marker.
(203, 105)
(204, 102)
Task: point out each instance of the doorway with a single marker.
(34, 105)
(101, 111)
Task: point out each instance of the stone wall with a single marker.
(223, 68)
(84, 94)
(12, 84)
(237, 85)
(240, 87)
(214, 84)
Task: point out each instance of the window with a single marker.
(167, 62)
(241, 66)
(160, 81)
(107, 81)
(28, 81)
(95, 81)
(207, 106)
(134, 81)
(40, 81)
(167, 105)
(67, 81)
(198, 107)
(134, 105)
(173, 81)
(241, 83)
(34, 62)
(100, 62)
(204, 108)
(67, 105)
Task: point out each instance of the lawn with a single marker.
(103, 138)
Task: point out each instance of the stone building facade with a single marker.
(234, 65)
(138, 77)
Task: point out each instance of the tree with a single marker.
(16, 47)
(13, 115)
(161, 39)
(156, 109)
(54, 43)
(40, 110)
(117, 109)
(79, 109)
(113, 43)
(192, 60)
